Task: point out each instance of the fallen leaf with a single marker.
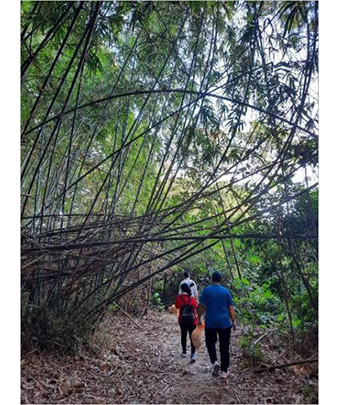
(64, 389)
(79, 385)
(27, 386)
(105, 367)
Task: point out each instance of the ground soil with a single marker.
(127, 365)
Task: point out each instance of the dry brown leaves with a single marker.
(134, 366)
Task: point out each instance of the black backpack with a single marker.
(187, 314)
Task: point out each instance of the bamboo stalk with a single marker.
(267, 367)
(127, 315)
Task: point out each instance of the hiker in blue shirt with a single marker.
(219, 320)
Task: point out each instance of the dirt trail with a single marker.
(146, 366)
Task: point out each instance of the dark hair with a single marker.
(186, 274)
(216, 276)
(185, 288)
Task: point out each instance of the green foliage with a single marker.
(168, 120)
(256, 304)
(157, 301)
(250, 350)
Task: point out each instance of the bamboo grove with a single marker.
(156, 132)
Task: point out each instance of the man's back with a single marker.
(217, 299)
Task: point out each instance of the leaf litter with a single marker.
(140, 367)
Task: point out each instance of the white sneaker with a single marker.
(193, 358)
(216, 369)
(184, 354)
(224, 374)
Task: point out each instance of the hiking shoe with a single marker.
(184, 354)
(193, 358)
(224, 374)
(216, 369)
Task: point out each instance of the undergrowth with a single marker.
(42, 329)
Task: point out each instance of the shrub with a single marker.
(41, 328)
(251, 351)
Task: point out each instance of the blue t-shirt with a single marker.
(216, 299)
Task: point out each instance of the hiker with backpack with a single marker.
(219, 320)
(187, 318)
(191, 284)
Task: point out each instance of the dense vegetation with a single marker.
(162, 136)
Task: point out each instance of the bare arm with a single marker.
(231, 313)
(232, 316)
(200, 311)
(179, 288)
(195, 291)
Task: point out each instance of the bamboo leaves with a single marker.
(133, 113)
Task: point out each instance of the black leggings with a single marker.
(224, 338)
(184, 332)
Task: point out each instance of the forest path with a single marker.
(146, 366)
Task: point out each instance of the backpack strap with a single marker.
(183, 299)
(186, 303)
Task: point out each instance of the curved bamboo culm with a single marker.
(135, 116)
